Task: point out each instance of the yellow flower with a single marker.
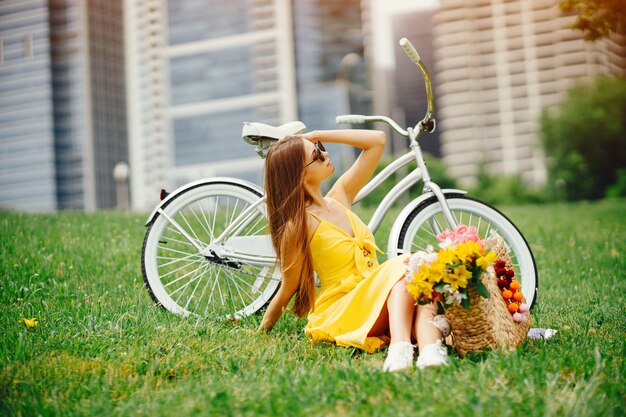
(458, 278)
(32, 322)
(445, 256)
(484, 261)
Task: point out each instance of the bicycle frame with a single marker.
(220, 246)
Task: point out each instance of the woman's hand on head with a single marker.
(311, 136)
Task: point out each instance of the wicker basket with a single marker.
(488, 323)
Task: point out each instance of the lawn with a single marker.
(101, 347)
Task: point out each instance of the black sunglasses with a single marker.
(317, 153)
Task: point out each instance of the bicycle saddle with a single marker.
(261, 136)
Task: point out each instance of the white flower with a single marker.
(417, 259)
(446, 242)
(455, 298)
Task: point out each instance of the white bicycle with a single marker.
(207, 250)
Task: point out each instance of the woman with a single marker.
(360, 303)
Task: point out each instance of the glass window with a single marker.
(210, 138)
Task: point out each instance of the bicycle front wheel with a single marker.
(422, 225)
(187, 273)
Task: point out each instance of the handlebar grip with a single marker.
(410, 50)
(351, 119)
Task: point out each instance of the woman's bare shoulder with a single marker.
(337, 194)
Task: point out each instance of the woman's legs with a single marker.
(401, 308)
(402, 318)
(425, 331)
(396, 315)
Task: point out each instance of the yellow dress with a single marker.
(354, 287)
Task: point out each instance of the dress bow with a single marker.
(365, 255)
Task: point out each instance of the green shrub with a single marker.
(619, 188)
(505, 190)
(585, 139)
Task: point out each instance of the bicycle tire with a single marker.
(238, 289)
(430, 210)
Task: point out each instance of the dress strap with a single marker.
(315, 215)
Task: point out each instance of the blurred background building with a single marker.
(198, 69)
(498, 64)
(165, 85)
(62, 114)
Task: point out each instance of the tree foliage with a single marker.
(585, 139)
(596, 18)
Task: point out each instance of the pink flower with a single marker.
(445, 235)
(461, 229)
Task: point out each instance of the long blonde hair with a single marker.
(286, 204)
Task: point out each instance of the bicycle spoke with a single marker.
(487, 231)
(182, 242)
(243, 280)
(177, 251)
(215, 278)
(243, 303)
(165, 248)
(206, 285)
(179, 278)
(217, 205)
(195, 288)
(178, 269)
(200, 221)
(174, 260)
(191, 229)
(230, 294)
(185, 286)
(251, 228)
(230, 221)
(179, 233)
(219, 288)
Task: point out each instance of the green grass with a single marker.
(103, 348)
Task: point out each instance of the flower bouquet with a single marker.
(483, 310)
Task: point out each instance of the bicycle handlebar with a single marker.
(350, 119)
(410, 50)
(359, 118)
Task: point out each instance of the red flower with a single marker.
(502, 283)
(500, 272)
(500, 264)
(509, 273)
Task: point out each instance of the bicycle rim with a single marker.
(188, 282)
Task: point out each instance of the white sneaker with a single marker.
(432, 354)
(399, 356)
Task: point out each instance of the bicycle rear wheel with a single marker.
(421, 226)
(191, 275)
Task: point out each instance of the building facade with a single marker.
(197, 69)
(27, 146)
(62, 107)
(498, 64)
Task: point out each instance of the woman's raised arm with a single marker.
(373, 144)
